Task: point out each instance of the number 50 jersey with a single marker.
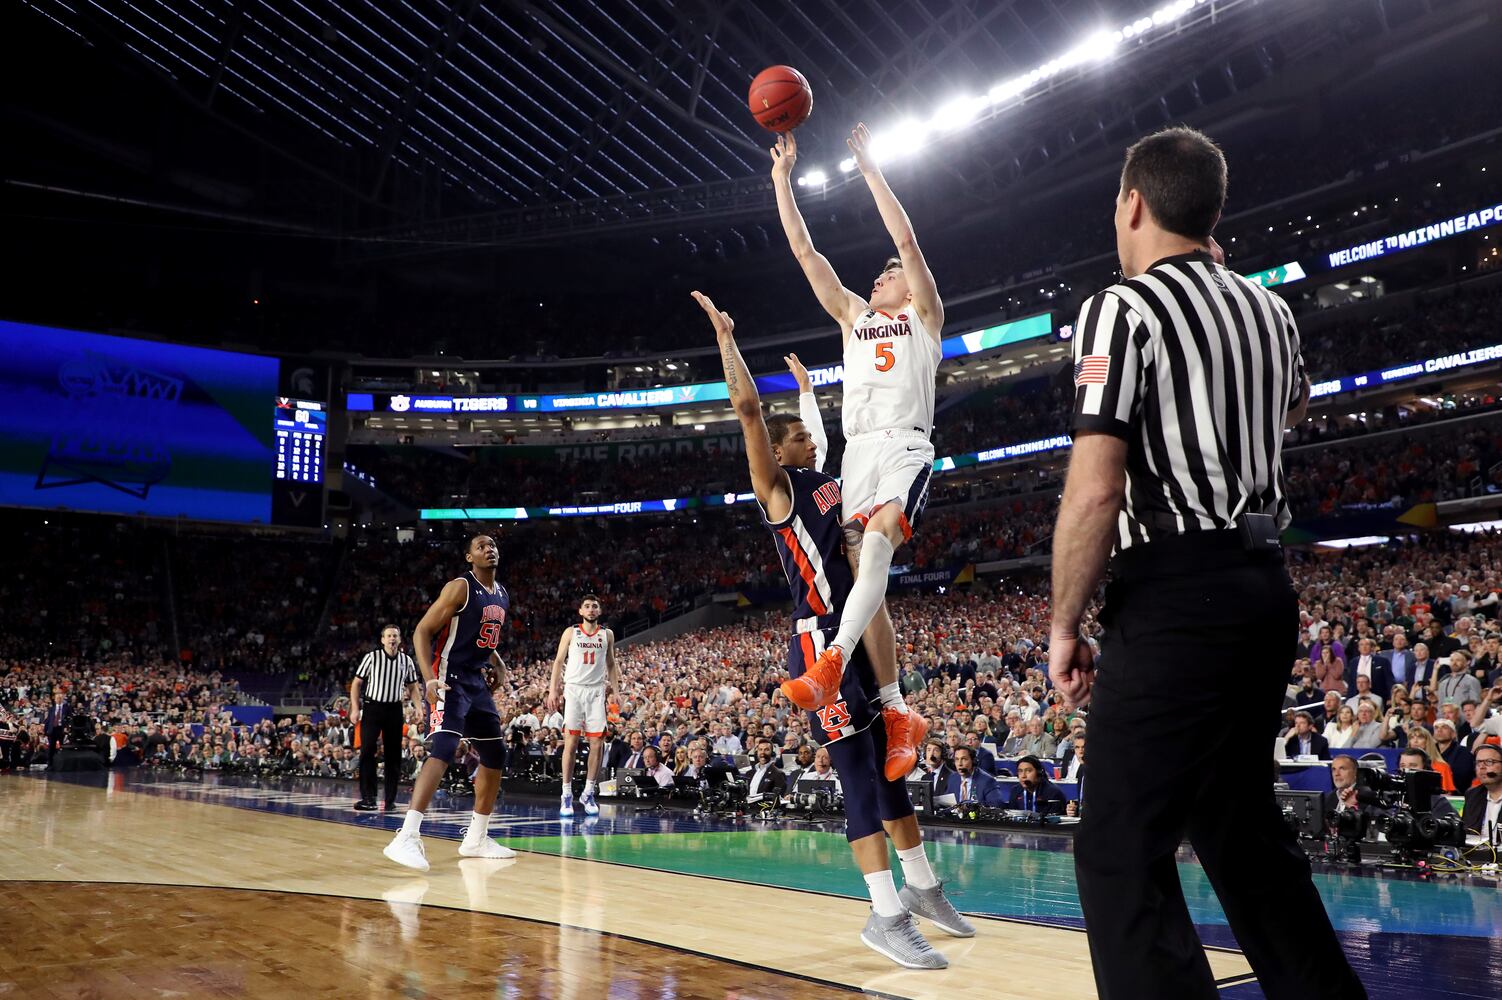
(464, 646)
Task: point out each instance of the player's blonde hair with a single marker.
(891, 264)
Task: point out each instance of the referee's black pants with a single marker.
(1199, 638)
(383, 719)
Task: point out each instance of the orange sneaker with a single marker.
(820, 683)
(906, 732)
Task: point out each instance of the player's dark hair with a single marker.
(587, 598)
(1181, 174)
(478, 534)
(892, 264)
(779, 425)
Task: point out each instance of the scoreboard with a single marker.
(301, 426)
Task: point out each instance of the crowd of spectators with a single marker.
(973, 660)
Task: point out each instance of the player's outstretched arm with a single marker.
(808, 410)
(919, 279)
(450, 600)
(840, 302)
(612, 667)
(768, 480)
(556, 680)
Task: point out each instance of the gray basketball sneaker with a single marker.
(932, 904)
(898, 939)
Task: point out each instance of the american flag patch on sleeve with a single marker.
(1092, 369)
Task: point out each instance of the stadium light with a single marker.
(958, 112)
(889, 144)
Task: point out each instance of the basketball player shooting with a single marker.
(892, 356)
(453, 644)
(586, 664)
(801, 507)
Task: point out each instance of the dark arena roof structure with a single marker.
(480, 148)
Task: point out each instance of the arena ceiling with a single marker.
(498, 123)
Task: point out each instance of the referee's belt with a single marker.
(802, 625)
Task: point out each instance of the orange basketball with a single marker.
(780, 98)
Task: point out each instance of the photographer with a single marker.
(1343, 777)
(1414, 759)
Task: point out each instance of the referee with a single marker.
(375, 705)
(1185, 377)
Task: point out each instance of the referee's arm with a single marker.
(1298, 407)
(356, 686)
(1108, 368)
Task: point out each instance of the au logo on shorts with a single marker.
(834, 718)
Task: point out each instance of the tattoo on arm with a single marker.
(728, 359)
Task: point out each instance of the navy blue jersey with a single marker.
(464, 646)
(812, 545)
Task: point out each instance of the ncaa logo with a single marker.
(401, 404)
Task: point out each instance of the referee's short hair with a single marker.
(1181, 174)
(389, 625)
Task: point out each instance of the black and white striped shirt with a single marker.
(386, 677)
(1196, 369)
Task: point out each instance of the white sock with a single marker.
(478, 826)
(412, 825)
(568, 788)
(589, 787)
(916, 870)
(869, 591)
(883, 893)
(891, 697)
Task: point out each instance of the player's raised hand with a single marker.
(860, 147)
(724, 326)
(784, 155)
(800, 373)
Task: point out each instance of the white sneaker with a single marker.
(566, 805)
(407, 850)
(485, 848)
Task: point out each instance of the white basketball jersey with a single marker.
(891, 364)
(586, 657)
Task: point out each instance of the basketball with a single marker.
(780, 98)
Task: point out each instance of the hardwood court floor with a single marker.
(765, 941)
(174, 942)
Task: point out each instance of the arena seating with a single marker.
(961, 644)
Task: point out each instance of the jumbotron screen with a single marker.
(114, 424)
